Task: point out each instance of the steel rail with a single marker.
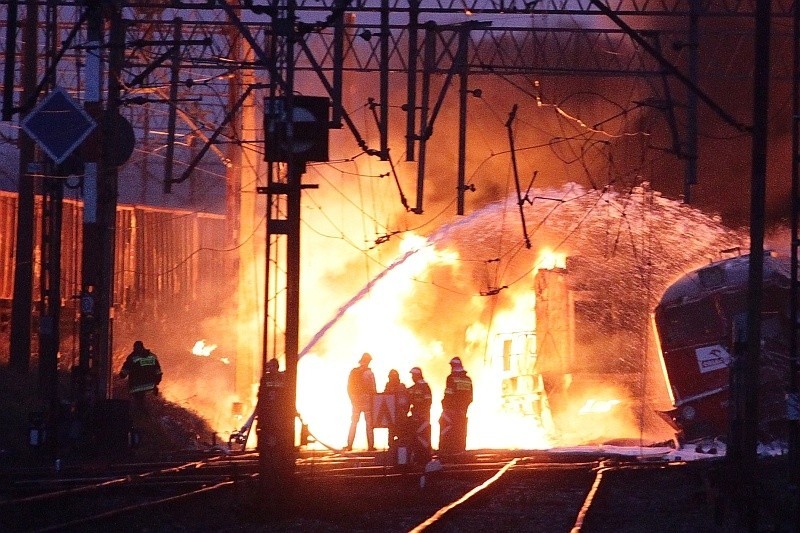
(63, 485)
(447, 508)
(134, 508)
(119, 481)
(601, 470)
(587, 502)
(361, 472)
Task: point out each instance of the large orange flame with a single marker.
(511, 408)
(377, 325)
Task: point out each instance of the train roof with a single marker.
(724, 275)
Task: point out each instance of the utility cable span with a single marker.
(444, 510)
(587, 503)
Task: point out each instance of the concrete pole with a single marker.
(793, 397)
(20, 344)
(248, 367)
(750, 381)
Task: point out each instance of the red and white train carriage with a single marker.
(694, 324)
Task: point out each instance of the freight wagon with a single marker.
(165, 259)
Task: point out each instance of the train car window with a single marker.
(689, 324)
(711, 277)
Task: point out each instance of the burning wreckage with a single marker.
(580, 373)
(579, 388)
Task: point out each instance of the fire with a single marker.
(404, 319)
(376, 324)
(382, 323)
(593, 414)
(598, 406)
(202, 349)
(204, 386)
(550, 259)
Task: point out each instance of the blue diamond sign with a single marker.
(58, 124)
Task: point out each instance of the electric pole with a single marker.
(100, 204)
(749, 384)
(296, 131)
(20, 345)
(793, 393)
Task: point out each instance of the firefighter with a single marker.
(275, 427)
(419, 418)
(397, 388)
(361, 389)
(143, 372)
(456, 401)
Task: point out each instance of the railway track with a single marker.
(569, 497)
(89, 497)
(496, 491)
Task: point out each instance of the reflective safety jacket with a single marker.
(457, 392)
(142, 370)
(272, 384)
(420, 398)
(273, 406)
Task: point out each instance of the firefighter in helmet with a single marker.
(142, 370)
(456, 401)
(419, 418)
(398, 389)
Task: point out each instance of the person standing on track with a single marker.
(361, 389)
(397, 388)
(456, 401)
(419, 419)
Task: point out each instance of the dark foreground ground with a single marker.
(545, 498)
(677, 497)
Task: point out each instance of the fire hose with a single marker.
(241, 435)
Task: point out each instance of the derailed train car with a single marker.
(582, 373)
(694, 324)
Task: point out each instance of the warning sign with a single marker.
(384, 410)
(58, 124)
